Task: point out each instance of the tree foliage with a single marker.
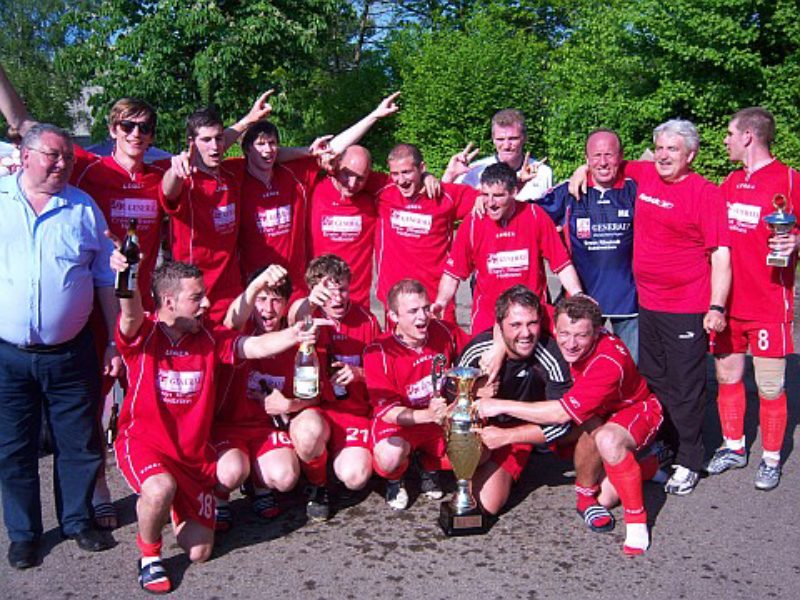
(181, 55)
(31, 31)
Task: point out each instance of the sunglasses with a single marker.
(127, 126)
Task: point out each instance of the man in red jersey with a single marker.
(408, 411)
(682, 268)
(415, 230)
(343, 214)
(201, 196)
(345, 406)
(505, 247)
(609, 398)
(275, 196)
(256, 407)
(761, 302)
(163, 445)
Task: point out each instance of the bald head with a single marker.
(603, 155)
(352, 170)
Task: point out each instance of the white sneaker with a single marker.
(396, 495)
(682, 482)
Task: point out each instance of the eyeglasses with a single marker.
(54, 157)
(128, 126)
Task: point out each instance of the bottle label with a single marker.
(306, 382)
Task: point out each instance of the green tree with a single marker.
(454, 80)
(31, 32)
(180, 55)
(631, 66)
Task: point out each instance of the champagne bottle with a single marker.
(306, 369)
(111, 432)
(281, 421)
(126, 280)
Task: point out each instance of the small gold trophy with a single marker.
(780, 223)
(462, 515)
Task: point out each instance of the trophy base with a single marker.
(470, 523)
(777, 261)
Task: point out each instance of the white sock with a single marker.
(637, 536)
(735, 444)
(773, 459)
(146, 560)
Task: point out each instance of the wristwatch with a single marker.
(718, 308)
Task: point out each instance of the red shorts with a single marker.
(642, 420)
(428, 437)
(348, 431)
(766, 340)
(252, 441)
(194, 498)
(512, 458)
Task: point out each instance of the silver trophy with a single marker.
(780, 223)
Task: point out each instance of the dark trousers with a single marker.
(672, 357)
(66, 384)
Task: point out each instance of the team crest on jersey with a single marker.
(583, 228)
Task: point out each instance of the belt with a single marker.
(43, 348)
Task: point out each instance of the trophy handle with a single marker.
(437, 373)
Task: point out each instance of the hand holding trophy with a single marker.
(780, 223)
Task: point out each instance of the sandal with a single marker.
(105, 516)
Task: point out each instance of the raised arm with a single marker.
(352, 134)
(242, 306)
(261, 109)
(131, 313)
(12, 107)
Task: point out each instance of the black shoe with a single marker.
(91, 540)
(319, 504)
(23, 555)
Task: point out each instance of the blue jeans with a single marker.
(627, 329)
(67, 383)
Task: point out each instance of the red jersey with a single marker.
(675, 226)
(345, 227)
(205, 226)
(413, 236)
(505, 253)
(241, 402)
(273, 229)
(123, 196)
(605, 382)
(170, 401)
(398, 375)
(345, 343)
(759, 292)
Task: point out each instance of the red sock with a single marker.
(586, 496)
(649, 466)
(627, 478)
(391, 475)
(731, 404)
(146, 549)
(773, 422)
(316, 470)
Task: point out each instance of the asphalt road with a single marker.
(725, 540)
